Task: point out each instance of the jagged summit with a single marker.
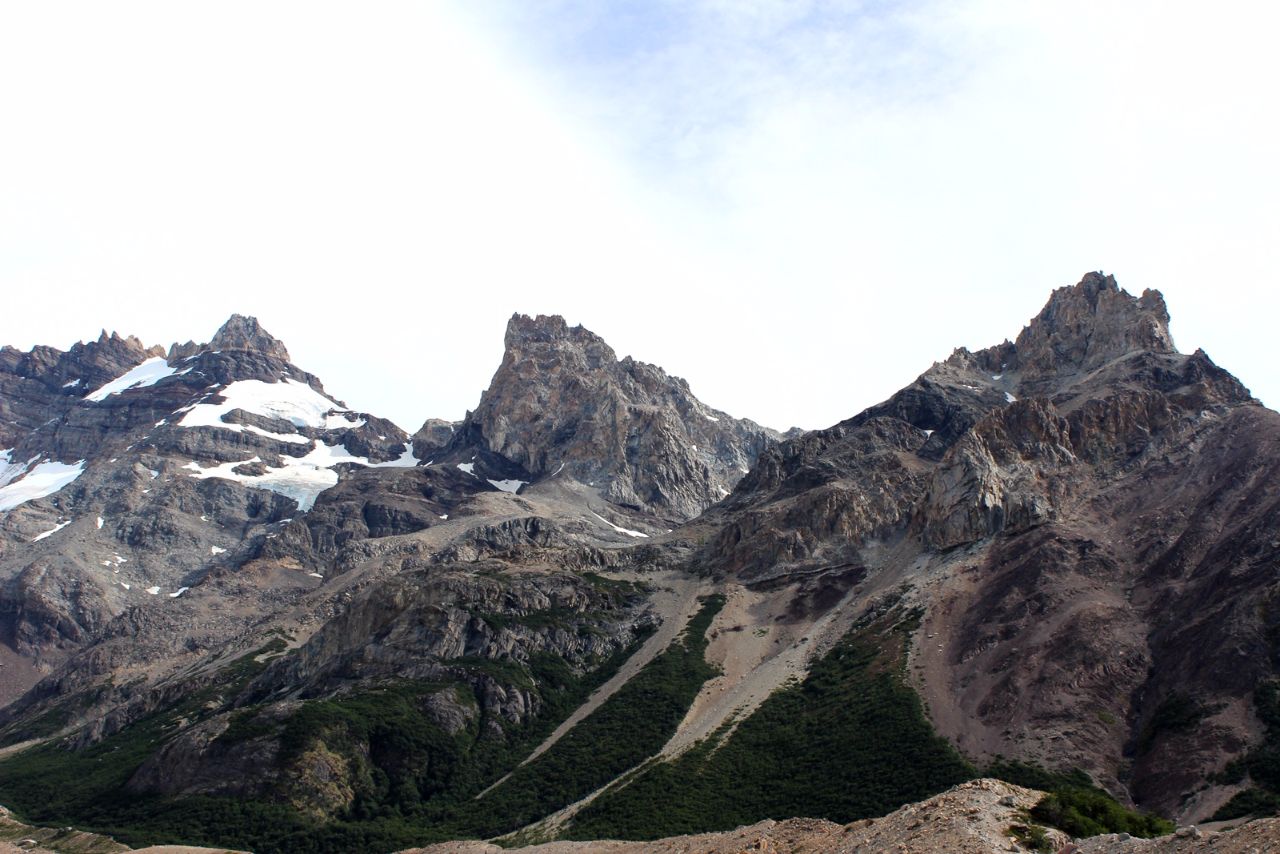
(1090, 323)
(562, 401)
(544, 328)
(242, 332)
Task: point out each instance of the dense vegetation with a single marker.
(850, 741)
(1091, 811)
(52, 784)
(627, 729)
(1074, 804)
(415, 783)
(1262, 763)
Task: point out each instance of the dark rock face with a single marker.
(422, 625)
(44, 384)
(434, 437)
(1104, 510)
(415, 624)
(562, 402)
(244, 333)
(1090, 324)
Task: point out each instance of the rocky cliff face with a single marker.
(1090, 520)
(562, 402)
(41, 385)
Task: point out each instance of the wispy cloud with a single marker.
(934, 167)
(797, 205)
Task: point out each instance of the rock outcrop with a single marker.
(562, 401)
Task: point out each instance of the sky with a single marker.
(796, 206)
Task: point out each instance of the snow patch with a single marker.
(469, 468)
(42, 481)
(72, 384)
(626, 531)
(996, 376)
(300, 478)
(178, 593)
(49, 533)
(1010, 398)
(406, 460)
(214, 550)
(340, 421)
(154, 591)
(100, 521)
(512, 486)
(288, 400)
(711, 418)
(296, 479)
(148, 373)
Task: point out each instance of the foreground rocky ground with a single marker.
(973, 818)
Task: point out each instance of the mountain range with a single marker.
(235, 612)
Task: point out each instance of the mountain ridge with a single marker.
(1062, 546)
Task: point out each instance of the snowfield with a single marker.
(300, 478)
(148, 373)
(42, 481)
(287, 400)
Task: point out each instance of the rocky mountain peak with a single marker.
(548, 334)
(1089, 324)
(561, 401)
(245, 333)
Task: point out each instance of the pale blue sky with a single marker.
(797, 206)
